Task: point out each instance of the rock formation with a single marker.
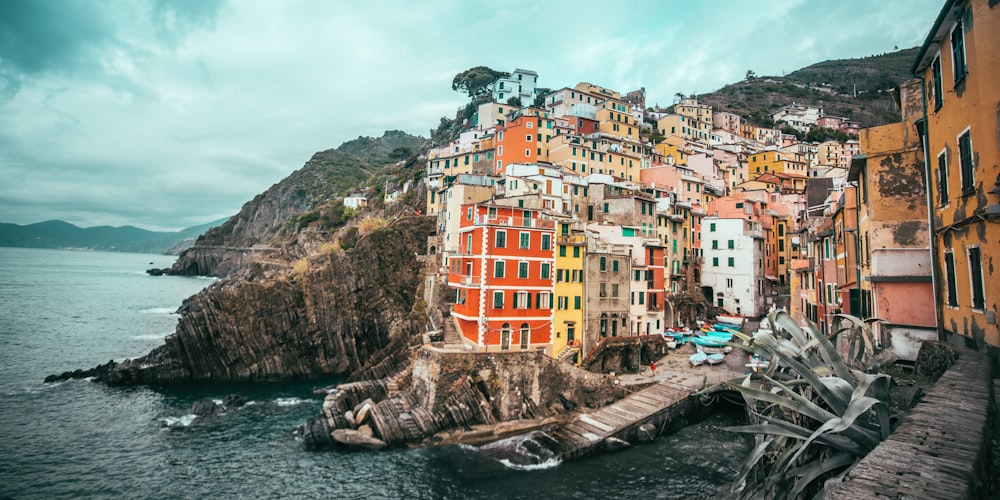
(329, 314)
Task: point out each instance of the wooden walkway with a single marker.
(941, 451)
(586, 433)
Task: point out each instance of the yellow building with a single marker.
(616, 119)
(690, 108)
(959, 64)
(770, 161)
(685, 127)
(570, 306)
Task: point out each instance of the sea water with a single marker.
(62, 310)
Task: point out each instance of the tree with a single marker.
(476, 81)
(788, 129)
(514, 101)
(751, 75)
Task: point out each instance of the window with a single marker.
(501, 239)
(711, 227)
(562, 303)
(468, 243)
(715, 244)
(498, 269)
(522, 269)
(525, 240)
(576, 252)
(545, 270)
(604, 264)
(614, 265)
(614, 289)
(949, 270)
(468, 213)
(528, 137)
(729, 282)
(547, 243)
(937, 83)
(715, 262)
(576, 302)
(603, 290)
(732, 244)
(544, 300)
(732, 262)
(562, 249)
(522, 300)
(498, 300)
(605, 208)
(965, 163)
(943, 178)
(976, 271)
(958, 66)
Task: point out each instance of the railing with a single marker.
(527, 222)
(571, 238)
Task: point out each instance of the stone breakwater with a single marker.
(454, 396)
(335, 313)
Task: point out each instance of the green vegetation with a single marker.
(476, 82)
(857, 89)
(823, 134)
(814, 413)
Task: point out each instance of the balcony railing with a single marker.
(468, 281)
(569, 239)
(527, 222)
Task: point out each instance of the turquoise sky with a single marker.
(167, 114)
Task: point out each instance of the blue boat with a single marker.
(712, 339)
(698, 358)
(714, 359)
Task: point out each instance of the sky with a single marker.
(166, 114)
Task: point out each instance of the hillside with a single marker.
(59, 234)
(853, 88)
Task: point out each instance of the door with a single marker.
(505, 337)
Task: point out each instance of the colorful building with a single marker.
(959, 65)
(502, 276)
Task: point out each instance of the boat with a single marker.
(712, 339)
(736, 321)
(714, 359)
(698, 358)
(757, 364)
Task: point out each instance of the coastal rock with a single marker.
(205, 408)
(353, 438)
(646, 433)
(338, 313)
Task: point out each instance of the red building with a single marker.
(503, 277)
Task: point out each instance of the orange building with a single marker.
(524, 140)
(959, 64)
(503, 277)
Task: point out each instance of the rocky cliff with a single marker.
(328, 314)
(274, 215)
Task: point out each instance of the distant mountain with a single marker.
(852, 88)
(60, 234)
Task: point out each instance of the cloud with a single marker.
(171, 113)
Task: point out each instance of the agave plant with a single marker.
(814, 413)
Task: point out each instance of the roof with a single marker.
(858, 162)
(924, 55)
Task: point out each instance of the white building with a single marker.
(733, 266)
(521, 84)
(801, 118)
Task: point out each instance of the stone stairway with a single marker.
(567, 352)
(450, 330)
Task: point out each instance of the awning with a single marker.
(771, 278)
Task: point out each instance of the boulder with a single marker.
(646, 433)
(353, 438)
(234, 401)
(205, 408)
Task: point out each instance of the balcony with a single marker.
(515, 222)
(466, 281)
(571, 239)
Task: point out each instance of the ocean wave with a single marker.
(548, 464)
(159, 310)
(151, 336)
(182, 421)
(290, 401)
